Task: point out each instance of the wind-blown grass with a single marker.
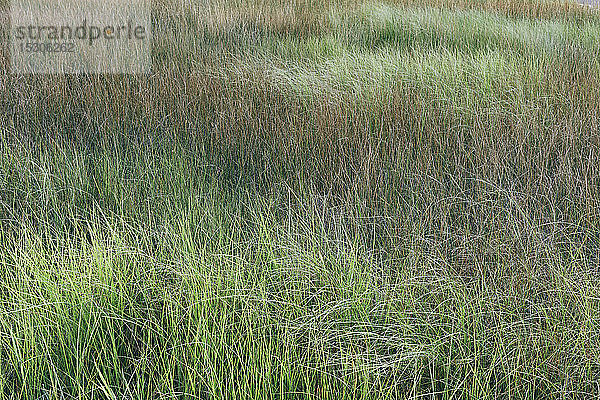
(353, 200)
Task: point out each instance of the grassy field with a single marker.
(310, 199)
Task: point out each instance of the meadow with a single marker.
(310, 199)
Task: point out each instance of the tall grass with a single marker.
(310, 199)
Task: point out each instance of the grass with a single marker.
(310, 199)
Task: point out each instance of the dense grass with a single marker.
(310, 199)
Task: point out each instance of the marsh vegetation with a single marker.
(310, 199)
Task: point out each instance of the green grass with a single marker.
(348, 200)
